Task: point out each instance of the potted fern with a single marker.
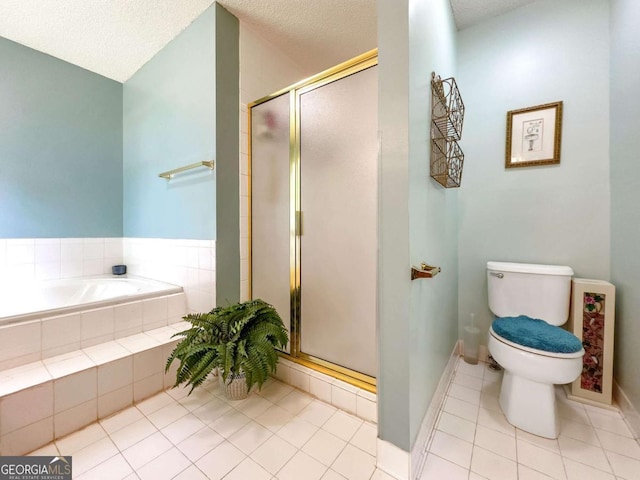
(239, 340)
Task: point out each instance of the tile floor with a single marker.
(474, 441)
(285, 434)
(280, 433)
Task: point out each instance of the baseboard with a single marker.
(419, 450)
(393, 460)
(631, 415)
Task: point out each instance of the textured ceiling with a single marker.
(111, 37)
(470, 12)
(116, 37)
(317, 34)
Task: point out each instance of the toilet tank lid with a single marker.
(529, 268)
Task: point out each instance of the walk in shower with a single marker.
(313, 216)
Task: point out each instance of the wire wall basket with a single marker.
(447, 115)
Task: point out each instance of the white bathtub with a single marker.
(23, 301)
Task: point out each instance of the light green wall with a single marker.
(170, 121)
(227, 98)
(417, 320)
(625, 188)
(60, 148)
(543, 52)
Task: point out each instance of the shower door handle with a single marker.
(299, 223)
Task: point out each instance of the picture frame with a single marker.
(534, 136)
(592, 320)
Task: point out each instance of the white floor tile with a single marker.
(155, 403)
(436, 467)
(273, 454)
(116, 468)
(584, 453)
(619, 444)
(275, 391)
(200, 443)
(220, 461)
(579, 431)
(317, 413)
(526, 473)
(333, 475)
(121, 419)
(579, 471)
(456, 426)
(167, 415)
(146, 450)
(496, 442)
(324, 447)
(342, 425)
(198, 398)
(541, 460)
(212, 410)
(354, 464)
(624, 467)
(275, 418)
(164, 467)
(464, 393)
(451, 448)
(476, 370)
(93, 455)
(366, 438)
(250, 437)
(302, 467)
(191, 473)
(132, 434)
(468, 381)
(460, 408)
(248, 469)
(182, 428)
(295, 401)
(492, 466)
(495, 420)
(82, 438)
(255, 406)
(609, 423)
(546, 443)
(297, 432)
(229, 423)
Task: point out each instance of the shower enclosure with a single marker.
(313, 216)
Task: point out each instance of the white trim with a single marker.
(629, 412)
(419, 450)
(393, 460)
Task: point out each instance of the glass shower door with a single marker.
(338, 202)
(271, 205)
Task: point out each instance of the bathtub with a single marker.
(24, 301)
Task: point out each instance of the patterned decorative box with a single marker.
(593, 320)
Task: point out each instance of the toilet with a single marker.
(530, 303)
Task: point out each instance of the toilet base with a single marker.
(529, 405)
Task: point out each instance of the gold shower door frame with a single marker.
(355, 65)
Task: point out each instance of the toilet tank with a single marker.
(537, 291)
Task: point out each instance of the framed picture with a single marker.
(534, 135)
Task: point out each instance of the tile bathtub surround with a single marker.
(189, 263)
(40, 339)
(52, 398)
(54, 258)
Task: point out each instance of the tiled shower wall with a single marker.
(189, 263)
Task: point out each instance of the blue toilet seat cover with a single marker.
(535, 333)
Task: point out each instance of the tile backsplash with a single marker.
(53, 258)
(184, 262)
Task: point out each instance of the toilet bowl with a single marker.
(530, 303)
(527, 395)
